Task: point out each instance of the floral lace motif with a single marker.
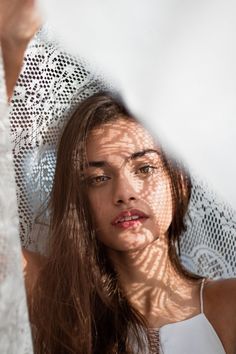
(51, 84)
(208, 246)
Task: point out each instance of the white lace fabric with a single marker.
(15, 336)
(51, 84)
(208, 246)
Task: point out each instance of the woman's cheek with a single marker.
(98, 210)
(94, 198)
(94, 207)
(160, 203)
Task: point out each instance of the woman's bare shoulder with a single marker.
(221, 307)
(225, 288)
(222, 292)
(32, 263)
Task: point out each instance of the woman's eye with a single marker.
(97, 180)
(146, 170)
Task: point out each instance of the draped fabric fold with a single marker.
(15, 336)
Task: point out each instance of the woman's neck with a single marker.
(150, 282)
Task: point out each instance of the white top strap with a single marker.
(201, 295)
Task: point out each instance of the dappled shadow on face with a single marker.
(131, 200)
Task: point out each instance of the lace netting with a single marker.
(208, 246)
(51, 84)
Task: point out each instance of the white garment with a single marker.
(195, 335)
(192, 336)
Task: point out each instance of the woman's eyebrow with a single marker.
(142, 153)
(96, 164)
(133, 156)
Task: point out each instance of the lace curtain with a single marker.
(51, 84)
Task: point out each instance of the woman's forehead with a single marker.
(122, 137)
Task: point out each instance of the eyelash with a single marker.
(142, 170)
(97, 180)
(101, 179)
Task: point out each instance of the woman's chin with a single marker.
(130, 241)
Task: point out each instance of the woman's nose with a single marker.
(125, 191)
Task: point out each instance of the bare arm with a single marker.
(32, 264)
(220, 309)
(19, 20)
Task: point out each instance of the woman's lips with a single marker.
(129, 219)
(130, 224)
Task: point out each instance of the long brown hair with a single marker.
(78, 306)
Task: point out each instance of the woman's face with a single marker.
(128, 189)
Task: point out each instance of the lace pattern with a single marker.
(209, 243)
(15, 334)
(51, 84)
(154, 338)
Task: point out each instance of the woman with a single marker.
(112, 281)
(113, 276)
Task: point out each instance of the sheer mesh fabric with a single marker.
(51, 84)
(15, 336)
(208, 246)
